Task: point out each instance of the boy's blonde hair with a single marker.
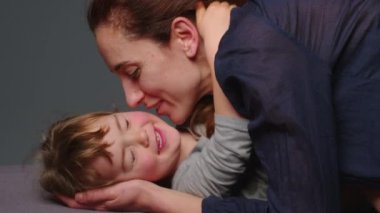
(68, 148)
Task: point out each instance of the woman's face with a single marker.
(142, 146)
(158, 76)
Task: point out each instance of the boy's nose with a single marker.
(134, 137)
(142, 138)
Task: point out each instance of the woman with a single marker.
(295, 69)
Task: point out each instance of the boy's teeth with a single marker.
(158, 138)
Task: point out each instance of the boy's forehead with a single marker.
(97, 124)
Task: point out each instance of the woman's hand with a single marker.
(124, 196)
(212, 23)
(135, 195)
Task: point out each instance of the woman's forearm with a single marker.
(163, 200)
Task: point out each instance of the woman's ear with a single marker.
(185, 34)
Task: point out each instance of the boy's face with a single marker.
(142, 146)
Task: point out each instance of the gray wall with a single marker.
(49, 67)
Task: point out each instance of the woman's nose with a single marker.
(133, 94)
(134, 98)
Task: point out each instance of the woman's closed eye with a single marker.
(133, 73)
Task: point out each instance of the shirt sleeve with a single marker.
(214, 166)
(285, 91)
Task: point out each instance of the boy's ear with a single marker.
(185, 33)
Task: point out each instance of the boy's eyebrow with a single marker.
(117, 122)
(122, 150)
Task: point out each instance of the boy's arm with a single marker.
(215, 165)
(216, 15)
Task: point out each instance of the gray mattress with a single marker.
(20, 192)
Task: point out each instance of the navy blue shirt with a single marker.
(307, 76)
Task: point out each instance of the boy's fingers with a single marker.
(200, 11)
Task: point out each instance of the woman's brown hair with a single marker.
(142, 18)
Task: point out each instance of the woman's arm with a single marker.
(285, 91)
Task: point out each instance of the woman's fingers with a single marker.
(70, 202)
(95, 196)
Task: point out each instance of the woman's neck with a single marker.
(205, 69)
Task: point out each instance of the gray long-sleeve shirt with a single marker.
(216, 165)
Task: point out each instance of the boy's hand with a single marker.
(212, 23)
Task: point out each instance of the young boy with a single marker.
(99, 149)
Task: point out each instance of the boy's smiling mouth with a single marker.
(159, 140)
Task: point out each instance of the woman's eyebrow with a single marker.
(118, 66)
